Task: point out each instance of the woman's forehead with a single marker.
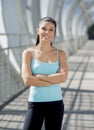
(46, 23)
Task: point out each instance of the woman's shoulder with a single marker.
(28, 52)
(61, 52)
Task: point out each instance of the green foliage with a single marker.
(91, 30)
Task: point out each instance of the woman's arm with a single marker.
(27, 76)
(61, 75)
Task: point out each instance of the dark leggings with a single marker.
(49, 112)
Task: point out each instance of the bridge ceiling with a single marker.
(72, 10)
(88, 7)
(68, 16)
(65, 12)
(68, 13)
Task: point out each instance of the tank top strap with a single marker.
(57, 54)
(33, 54)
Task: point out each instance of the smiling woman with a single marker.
(46, 31)
(44, 67)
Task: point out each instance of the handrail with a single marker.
(20, 35)
(13, 79)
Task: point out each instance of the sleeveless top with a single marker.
(44, 93)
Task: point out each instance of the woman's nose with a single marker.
(47, 31)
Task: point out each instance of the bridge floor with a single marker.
(78, 93)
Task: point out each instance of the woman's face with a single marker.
(46, 31)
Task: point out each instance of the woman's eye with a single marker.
(51, 30)
(44, 29)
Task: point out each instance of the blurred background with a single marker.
(18, 22)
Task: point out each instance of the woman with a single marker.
(44, 67)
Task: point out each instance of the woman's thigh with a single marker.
(54, 115)
(34, 117)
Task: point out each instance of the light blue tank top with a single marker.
(44, 93)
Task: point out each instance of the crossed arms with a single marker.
(43, 80)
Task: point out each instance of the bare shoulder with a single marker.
(62, 54)
(28, 52)
(62, 58)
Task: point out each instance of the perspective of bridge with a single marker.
(18, 22)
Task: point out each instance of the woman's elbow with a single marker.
(26, 81)
(64, 79)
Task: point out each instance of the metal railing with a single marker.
(10, 60)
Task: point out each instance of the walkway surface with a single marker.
(78, 93)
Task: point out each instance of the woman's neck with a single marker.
(44, 46)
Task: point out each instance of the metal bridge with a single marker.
(18, 22)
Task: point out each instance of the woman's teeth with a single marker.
(46, 37)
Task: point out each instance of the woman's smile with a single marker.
(46, 37)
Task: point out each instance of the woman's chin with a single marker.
(46, 40)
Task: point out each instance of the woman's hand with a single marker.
(39, 76)
(61, 70)
(42, 77)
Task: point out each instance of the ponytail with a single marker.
(37, 40)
